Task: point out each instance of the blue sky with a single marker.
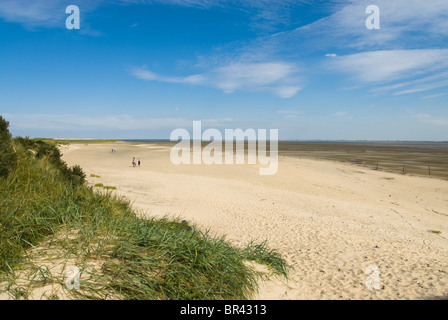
(140, 69)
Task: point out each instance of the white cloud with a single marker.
(431, 119)
(196, 79)
(144, 74)
(237, 76)
(433, 96)
(426, 87)
(286, 92)
(428, 69)
(340, 114)
(43, 13)
(276, 77)
(424, 83)
(390, 65)
(404, 24)
(32, 13)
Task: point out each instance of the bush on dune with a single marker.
(43, 149)
(8, 157)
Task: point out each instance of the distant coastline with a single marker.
(288, 141)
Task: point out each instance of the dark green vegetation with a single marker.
(8, 158)
(50, 219)
(51, 153)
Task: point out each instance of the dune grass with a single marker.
(49, 220)
(100, 185)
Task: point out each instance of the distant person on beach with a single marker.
(139, 162)
(133, 162)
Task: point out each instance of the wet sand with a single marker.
(416, 158)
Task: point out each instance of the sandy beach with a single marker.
(329, 220)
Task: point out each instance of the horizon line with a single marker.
(280, 140)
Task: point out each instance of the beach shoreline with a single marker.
(329, 220)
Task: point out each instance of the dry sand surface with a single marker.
(329, 220)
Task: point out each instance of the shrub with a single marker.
(51, 152)
(44, 149)
(27, 143)
(77, 175)
(8, 157)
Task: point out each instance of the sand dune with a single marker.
(329, 220)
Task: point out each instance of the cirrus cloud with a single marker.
(279, 78)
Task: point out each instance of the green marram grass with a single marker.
(48, 218)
